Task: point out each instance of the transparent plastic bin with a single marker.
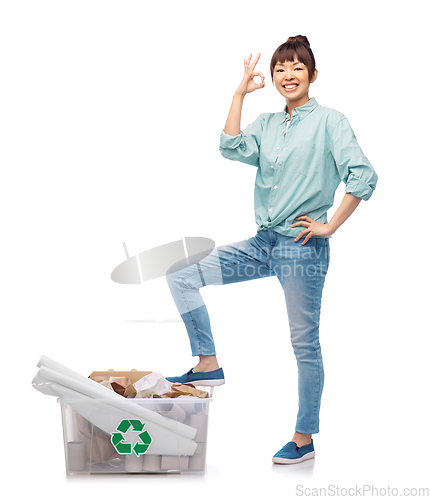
(130, 444)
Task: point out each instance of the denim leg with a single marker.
(301, 271)
(241, 261)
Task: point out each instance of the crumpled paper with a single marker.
(120, 385)
(152, 384)
(179, 390)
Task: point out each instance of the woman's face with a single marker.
(292, 80)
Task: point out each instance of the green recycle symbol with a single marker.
(124, 448)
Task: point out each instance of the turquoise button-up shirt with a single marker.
(300, 168)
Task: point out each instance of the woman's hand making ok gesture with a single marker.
(247, 84)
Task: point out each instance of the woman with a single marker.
(301, 154)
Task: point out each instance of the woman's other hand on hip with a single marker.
(313, 228)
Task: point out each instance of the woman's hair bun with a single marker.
(299, 38)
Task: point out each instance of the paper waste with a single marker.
(104, 408)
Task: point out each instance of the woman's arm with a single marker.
(232, 125)
(313, 228)
(247, 85)
(348, 205)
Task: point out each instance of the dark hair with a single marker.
(296, 46)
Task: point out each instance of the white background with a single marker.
(110, 120)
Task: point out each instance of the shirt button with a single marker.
(277, 147)
(270, 209)
(271, 166)
(276, 187)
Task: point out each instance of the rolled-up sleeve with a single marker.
(244, 147)
(354, 168)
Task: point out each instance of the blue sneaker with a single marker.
(210, 379)
(292, 454)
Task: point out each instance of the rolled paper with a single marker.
(200, 422)
(94, 390)
(54, 365)
(134, 463)
(107, 418)
(174, 463)
(76, 456)
(200, 408)
(197, 463)
(200, 451)
(172, 411)
(151, 463)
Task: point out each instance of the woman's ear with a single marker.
(314, 77)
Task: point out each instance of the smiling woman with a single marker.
(296, 48)
(301, 155)
(293, 70)
(292, 81)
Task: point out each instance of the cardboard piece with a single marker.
(104, 382)
(185, 390)
(120, 382)
(133, 375)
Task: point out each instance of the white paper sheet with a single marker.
(106, 417)
(83, 385)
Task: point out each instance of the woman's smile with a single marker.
(289, 87)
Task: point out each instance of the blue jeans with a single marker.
(301, 270)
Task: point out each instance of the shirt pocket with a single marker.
(306, 158)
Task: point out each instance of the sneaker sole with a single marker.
(208, 383)
(279, 460)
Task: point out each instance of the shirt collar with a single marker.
(303, 111)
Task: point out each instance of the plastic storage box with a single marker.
(134, 444)
(106, 431)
